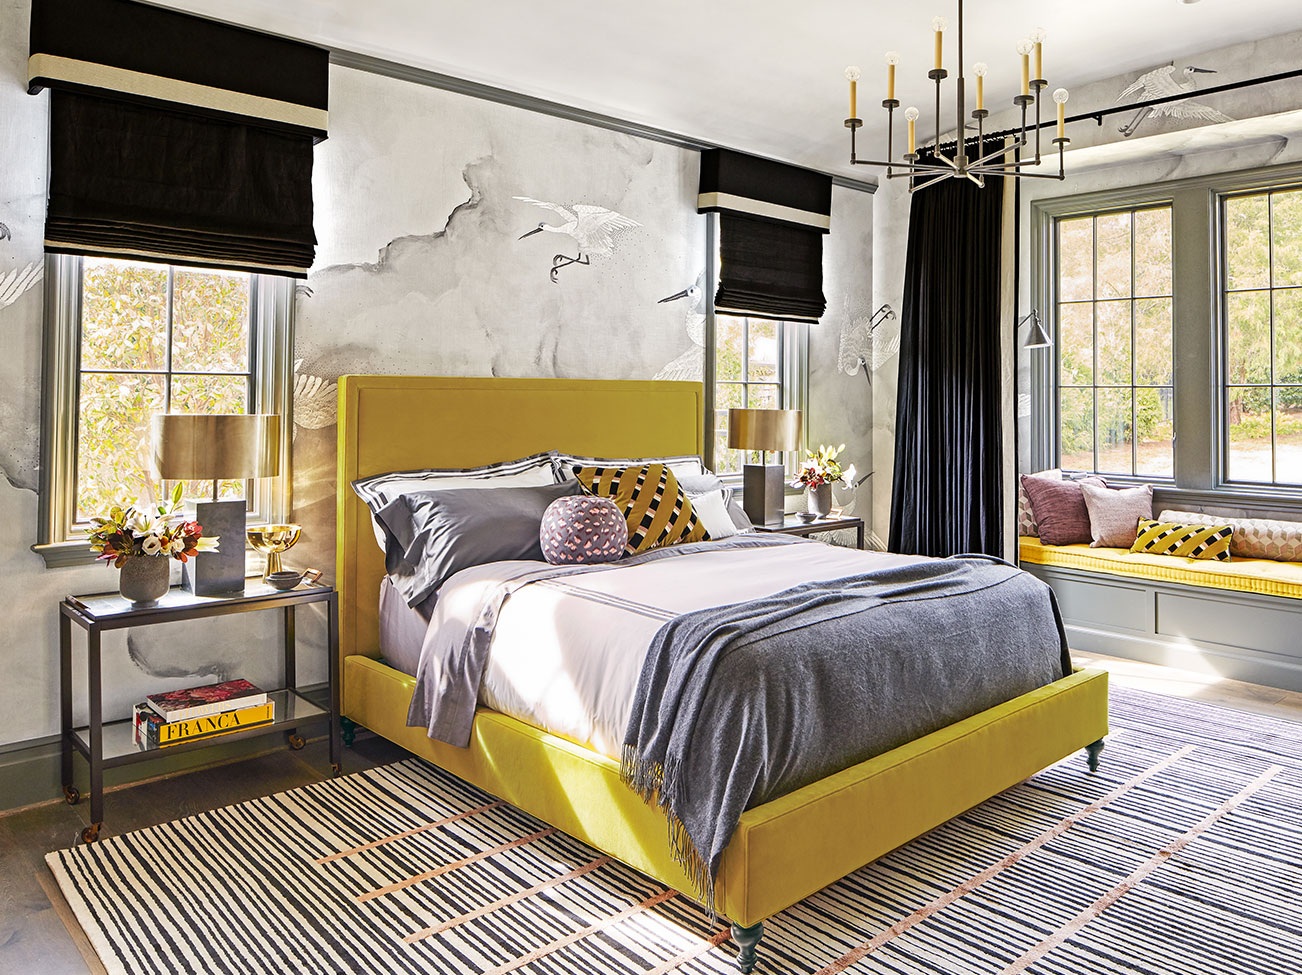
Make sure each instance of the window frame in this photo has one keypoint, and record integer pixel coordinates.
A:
(1198, 381)
(271, 302)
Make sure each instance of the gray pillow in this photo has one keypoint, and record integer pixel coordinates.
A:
(434, 534)
(1115, 513)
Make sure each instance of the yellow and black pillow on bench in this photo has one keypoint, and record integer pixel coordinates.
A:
(655, 507)
(1190, 541)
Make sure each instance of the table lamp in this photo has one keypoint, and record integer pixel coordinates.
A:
(216, 447)
(764, 484)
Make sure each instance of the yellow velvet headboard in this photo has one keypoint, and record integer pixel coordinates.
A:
(395, 423)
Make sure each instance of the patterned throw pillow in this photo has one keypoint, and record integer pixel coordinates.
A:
(1190, 541)
(1254, 538)
(583, 530)
(654, 506)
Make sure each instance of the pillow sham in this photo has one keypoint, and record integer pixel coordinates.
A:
(1114, 513)
(654, 506)
(583, 530)
(1026, 524)
(1254, 538)
(380, 489)
(711, 500)
(684, 465)
(1188, 541)
(1059, 507)
(440, 532)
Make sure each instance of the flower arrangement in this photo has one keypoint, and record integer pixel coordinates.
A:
(821, 467)
(133, 531)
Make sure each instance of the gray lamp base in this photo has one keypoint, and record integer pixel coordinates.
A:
(763, 497)
(221, 572)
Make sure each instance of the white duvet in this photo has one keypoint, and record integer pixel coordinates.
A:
(567, 652)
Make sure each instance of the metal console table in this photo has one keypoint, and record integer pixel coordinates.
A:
(110, 744)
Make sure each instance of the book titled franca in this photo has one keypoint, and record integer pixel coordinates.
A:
(153, 731)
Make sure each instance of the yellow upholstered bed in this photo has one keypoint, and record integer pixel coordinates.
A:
(782, 851)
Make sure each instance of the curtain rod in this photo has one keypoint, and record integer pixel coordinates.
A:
(1102, 113)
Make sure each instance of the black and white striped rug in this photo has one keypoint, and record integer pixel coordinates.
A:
(1182, 855)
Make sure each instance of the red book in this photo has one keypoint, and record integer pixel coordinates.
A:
(199, 702)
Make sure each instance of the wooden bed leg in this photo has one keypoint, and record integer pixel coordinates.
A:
(1092, 753)
(747, 940)
(348, 730)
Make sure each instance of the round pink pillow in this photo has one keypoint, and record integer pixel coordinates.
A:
(583, 529)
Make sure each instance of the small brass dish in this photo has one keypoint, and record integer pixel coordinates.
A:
(272, 541)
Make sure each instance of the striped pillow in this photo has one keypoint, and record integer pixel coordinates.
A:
(1190, 541)
(655, 507)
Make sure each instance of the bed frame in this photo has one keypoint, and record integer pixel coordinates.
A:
(782, 851)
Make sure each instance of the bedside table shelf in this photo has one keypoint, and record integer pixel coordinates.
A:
(794, 525)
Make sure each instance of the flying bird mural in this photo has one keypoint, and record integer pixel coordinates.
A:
(18, 281)
(593, 229)
(864, 347)
(316, 400)
(1162, 83)
(688, 366)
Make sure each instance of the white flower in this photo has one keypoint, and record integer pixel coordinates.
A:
(139, 523)
(151, 545)
(178, 545)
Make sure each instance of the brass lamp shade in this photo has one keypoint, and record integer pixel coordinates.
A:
(764, 429)
(214, 447)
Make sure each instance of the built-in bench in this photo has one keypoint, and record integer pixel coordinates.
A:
(1242, 619)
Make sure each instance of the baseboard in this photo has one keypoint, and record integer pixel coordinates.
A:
(29, 770)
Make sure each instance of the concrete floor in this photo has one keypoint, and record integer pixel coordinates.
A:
(35, 941)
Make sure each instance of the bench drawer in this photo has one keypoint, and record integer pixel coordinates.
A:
(1103, 604)
(1219, 619)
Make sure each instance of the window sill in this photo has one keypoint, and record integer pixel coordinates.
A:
(1269, 501)
(59, 555)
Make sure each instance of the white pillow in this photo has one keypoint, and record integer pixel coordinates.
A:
(684, 465)
(711, 509)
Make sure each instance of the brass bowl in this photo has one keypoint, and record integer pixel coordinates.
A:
(271, 541)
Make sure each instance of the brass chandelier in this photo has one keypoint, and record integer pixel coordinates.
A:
(959, 165)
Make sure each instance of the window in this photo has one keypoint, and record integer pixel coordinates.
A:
(757, 364)
(128, 339)
(1115, 362)
(1261, 314)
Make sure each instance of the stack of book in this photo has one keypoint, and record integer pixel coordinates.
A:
(200, 712)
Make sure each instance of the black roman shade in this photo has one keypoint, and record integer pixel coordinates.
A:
(771, 221)
(178, 139)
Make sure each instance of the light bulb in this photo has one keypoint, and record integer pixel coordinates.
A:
(1038, 35)
(892, 57)
(1025, 46)
(1061, 95)
(911, 114)
(852, 73)
(980, 69)
(939, 23)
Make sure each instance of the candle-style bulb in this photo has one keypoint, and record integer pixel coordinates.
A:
(938, 24)
(980, 69)
(1061, 95)
(1037, 38)
(911, 114)
(1025, 46)
(852, 73)
(892, 59)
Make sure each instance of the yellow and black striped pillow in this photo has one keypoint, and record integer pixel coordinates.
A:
(1191, 541)
(655, 507)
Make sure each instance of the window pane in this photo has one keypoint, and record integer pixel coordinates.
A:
(762, 358)
(1248, 416)
(1076, 343)
(1076, 259)
(729, 352)
(210, 321)
(1247, 337)
(1114, 431)
(1247, 242)
(1113, 259)
(726, 396)
(1154, 417)
(1288, 434)
(113, 448)
(763, 396)
(210, 394)
(1286, 231)
(1076, 416)
(123, 315)
(1153, 252)
(1153, 341)
(1288, 336)
(1113, 344)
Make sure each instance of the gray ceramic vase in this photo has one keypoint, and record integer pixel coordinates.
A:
(143, 579)
(820, 500)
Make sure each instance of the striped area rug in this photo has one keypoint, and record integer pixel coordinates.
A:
(1182, 855)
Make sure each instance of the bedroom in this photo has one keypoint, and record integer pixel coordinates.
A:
(438, 246)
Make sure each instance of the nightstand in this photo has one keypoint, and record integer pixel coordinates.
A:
(793, 525)
(110, 744)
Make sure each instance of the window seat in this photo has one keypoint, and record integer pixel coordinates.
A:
(1263, 576)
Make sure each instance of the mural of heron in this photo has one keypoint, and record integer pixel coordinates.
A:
(593, 229)
(863, 347)
(688, 366)
(1162, 83)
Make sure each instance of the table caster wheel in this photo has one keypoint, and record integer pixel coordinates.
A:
(296, 742)
(90, 834)
(334, 768)
(71, 795)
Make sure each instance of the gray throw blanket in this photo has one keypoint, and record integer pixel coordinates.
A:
(741, 704)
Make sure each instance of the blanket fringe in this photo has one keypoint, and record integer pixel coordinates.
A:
(658, 784)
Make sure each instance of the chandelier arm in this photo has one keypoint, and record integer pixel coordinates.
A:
(1020, 173)
(902, 166)
(931, 182)
(1002, 151)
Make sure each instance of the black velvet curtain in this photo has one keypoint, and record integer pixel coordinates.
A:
(947, 493)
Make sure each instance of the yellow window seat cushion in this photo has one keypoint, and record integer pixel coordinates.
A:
(1264, 576)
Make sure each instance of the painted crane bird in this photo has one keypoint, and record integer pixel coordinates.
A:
(1161, 83)
(689, 364)
(593, 229)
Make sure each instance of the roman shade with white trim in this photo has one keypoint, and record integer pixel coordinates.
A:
(771, 221)
(177, 139)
